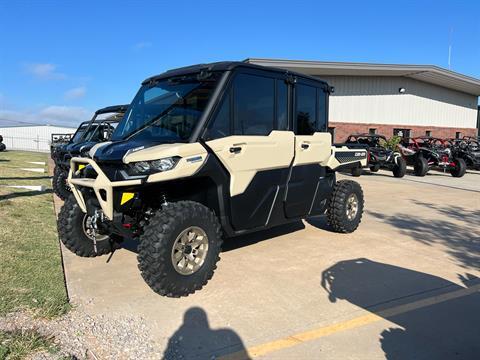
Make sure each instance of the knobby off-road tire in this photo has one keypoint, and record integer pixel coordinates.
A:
(156, 248)
(60, 185)
(400, 168)
(374, 168)
(71, 232)
(421, 166)
(356, 171)
(339, 212)
(460, 168)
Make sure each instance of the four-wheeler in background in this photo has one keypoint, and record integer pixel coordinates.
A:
(88, 134)
(58, 140)
(468, 149)
(2, 145)
(379, 156)
(203, 153)
(424, 153)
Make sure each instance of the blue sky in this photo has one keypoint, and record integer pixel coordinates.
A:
(60, 60)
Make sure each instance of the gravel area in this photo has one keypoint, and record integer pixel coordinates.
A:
(79, 335)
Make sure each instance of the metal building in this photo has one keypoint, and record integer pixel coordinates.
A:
(31, 138)
(410, 100)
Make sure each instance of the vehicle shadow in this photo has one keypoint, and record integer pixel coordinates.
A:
(194, 339)
(240, 241)
(434, 318)
(24, 194)
(461, 238)
(237, 242)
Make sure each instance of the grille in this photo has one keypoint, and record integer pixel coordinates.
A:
(350, 156)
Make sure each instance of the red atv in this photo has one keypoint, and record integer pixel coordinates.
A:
(424, 153)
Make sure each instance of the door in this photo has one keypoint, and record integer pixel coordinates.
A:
(312, 146)
(244, 137)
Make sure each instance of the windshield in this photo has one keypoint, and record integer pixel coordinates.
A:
(79, 133)
(167, 110)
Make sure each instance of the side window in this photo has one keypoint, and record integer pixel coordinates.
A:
(220, 126)
(282, 105)
(253, 105)
(306, 109)
(322, 110)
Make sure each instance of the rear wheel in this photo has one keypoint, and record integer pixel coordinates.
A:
(356, 171)
(345, 208)
(459, 169)
(60, 183)
(400, 168)
(179, 248)
(421, 166)
(76, 231)
(374, 168)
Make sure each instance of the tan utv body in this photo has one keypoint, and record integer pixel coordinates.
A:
(205, 153)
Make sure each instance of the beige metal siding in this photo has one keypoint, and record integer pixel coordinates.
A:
(365, 99)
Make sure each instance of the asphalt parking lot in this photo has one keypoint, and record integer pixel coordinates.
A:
(404, 285)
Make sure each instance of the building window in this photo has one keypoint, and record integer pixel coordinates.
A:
(402, 132)
(331, 130)
(458, 135)
(372, 131)
(428, 133)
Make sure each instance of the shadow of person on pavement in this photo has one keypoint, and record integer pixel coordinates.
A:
(434, 318)
(194, 339)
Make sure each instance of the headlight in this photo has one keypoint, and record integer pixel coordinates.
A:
(153, 166)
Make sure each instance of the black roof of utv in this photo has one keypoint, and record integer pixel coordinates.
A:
(113, 108)
(222, 66)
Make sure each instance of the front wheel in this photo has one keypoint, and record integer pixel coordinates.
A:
(345, 208)
(75, 230)
(60, 184)
(459, 169)
(400, 168)
(421, 166)
(179, 249)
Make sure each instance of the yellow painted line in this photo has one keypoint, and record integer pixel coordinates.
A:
(370, 318)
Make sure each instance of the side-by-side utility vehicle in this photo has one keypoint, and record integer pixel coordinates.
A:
(379, 156)
(204, 153)
(87, 135)
(425, 152)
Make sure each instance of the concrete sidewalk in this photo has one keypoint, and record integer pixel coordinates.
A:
(419, 239)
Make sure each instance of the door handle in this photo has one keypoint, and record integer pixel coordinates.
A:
(235, 149)
(305, 146)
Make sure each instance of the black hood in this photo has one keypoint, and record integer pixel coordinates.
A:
(115, 151)
(75, 149)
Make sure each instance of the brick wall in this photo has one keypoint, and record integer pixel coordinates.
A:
(342, 130)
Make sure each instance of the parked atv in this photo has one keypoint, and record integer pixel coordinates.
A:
(424, 153)
(379, 156)
(203, 153)
(468, 149)
(2, 145)
(88, 134)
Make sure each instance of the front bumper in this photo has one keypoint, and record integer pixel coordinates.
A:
(101, 185)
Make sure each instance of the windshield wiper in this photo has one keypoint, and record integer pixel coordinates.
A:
(159, 116)
(151, 121)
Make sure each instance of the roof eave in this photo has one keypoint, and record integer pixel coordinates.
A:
(426, 73)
